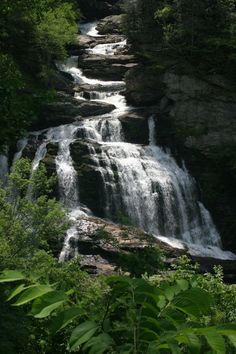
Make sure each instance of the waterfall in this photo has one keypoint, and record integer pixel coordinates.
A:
(144, 183)
(21, 144)
(67, 176)
(152, 131)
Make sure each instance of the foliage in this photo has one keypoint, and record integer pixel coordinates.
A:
(201, 33)
(139, 318)
(224, 308)
(32, 35)
(146, 260)
(29, 219)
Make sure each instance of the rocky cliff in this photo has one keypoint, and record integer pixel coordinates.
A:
(196, 118)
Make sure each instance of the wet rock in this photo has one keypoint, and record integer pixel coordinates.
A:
(100, 88)
(135, 127)
(103, 67)
(68, 110)
(110, 24)
(84, 42)
(91, 185)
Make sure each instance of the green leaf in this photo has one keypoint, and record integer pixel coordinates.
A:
(161, 303)
(183, 284)
(64, 318)
(82, 334)
(174, 347)
(194, 343)
(215, 341)
(18, 290)
(232, 338)
(43, 306)
(194, 302)
(10, 276)
(32, 293)
(99, 344)
(170, 292)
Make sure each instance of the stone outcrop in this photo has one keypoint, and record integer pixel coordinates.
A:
(135, 127)
(94, 9)
(91, 184)
(143, 86)
(68, 110)
(84, 42)
(100, 244)
(110, 24)
(106, 67)
(60, 81)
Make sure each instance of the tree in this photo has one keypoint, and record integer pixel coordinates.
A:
(29, 220)
(32, 35)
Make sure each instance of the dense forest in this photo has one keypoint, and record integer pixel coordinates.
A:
(91, 162)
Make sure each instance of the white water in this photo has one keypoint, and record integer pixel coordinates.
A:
(89, 29)
(143, 182)
(70, 66)
(107, 49)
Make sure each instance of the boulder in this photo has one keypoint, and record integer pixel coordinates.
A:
(110, 24)
(143, 86)
(135, 127)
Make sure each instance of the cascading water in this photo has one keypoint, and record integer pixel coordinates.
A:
(67, 176)
(143, 182)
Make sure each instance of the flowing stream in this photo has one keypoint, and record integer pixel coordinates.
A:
(143, 182)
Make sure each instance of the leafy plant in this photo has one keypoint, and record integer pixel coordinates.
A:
(139, 318)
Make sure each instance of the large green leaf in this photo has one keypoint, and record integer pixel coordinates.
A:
(99, 344)
(174, 347)
(42, 307)
(194, 343)
(32, 293)
(82, 334)
(19, 289)
(215, 341)
(10, 276)
(194, 302)
(232, 338)
(64, 318)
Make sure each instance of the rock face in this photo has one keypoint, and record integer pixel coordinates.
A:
(197, 120)
(110, 24)
(60, 81)
(206, 111)
(91, 184)
(68, 110)
(135, 127)
(94, 9)
(107, 67)
(101, 243)
(143, 86)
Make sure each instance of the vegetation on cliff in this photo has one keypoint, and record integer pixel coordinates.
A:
(33, 34)
(200, 33)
